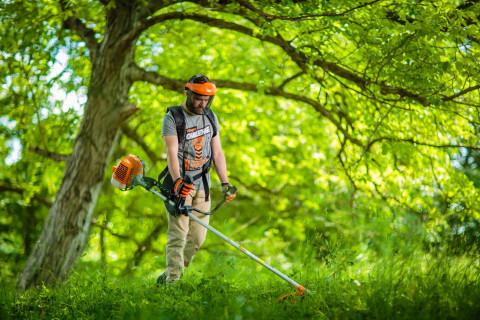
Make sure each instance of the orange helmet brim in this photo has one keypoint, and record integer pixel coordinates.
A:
(205, 89)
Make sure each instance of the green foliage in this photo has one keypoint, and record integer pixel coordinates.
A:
(363, 164)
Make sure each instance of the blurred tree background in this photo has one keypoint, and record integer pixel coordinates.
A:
(345, 124)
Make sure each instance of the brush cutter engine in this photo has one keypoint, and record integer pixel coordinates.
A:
(123, 173)
(130, 172)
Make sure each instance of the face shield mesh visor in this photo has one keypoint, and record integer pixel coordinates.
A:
(192, 95)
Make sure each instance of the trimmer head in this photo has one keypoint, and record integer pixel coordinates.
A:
(291, 296)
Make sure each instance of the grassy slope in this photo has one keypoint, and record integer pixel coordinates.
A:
(398, 287)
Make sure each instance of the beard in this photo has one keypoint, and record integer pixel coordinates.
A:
(191, 106)
(192, 109)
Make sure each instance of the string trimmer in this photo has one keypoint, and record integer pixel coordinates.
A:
(130, 173)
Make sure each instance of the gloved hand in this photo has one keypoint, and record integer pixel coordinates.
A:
(182, 188)
(229, 191)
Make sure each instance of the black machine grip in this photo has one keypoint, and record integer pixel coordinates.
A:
(180, 201)
(188, 179)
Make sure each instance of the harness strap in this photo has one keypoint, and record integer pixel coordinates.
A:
(202, 174)
(163, 174)
(179, 118)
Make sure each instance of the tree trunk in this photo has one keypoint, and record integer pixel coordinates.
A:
(66, 230)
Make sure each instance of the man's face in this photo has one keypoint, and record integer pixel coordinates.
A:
(199, 103)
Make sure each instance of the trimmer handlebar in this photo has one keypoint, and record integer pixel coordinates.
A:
(130, 172)
(190, 208)
(188, 179)
(149, 183)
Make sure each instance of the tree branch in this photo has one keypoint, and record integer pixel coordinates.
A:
(138, 74)
(132, 134)
(393, 16)
(142, 247)
(298, 57)
(246, 225)
(420, 143)
(274, 91)
(21, 191)
(399, 203)
(155, 5)
(344, 167)
(468, 4)
(461, 93)
(144, 24)
(290, 79)
(301, 18)
(87, 34)
(382, 118)
(301, 59)
(113, 233)
(54, 156)
(135, 73)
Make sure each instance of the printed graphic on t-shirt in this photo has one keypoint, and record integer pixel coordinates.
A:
(198, 137)
(197, 133)
(198, 145)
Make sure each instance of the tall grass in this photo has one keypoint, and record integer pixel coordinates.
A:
(411, 285)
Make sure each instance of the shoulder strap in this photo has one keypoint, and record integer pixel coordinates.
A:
(179, 121)
(180, 126)
(179, 118)
(211, 117)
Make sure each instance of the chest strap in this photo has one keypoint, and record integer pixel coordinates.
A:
(202, 174)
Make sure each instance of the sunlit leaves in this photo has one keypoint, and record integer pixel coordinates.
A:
(296, 168)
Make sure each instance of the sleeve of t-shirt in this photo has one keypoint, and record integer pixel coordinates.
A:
(168, 125)
(217, 125)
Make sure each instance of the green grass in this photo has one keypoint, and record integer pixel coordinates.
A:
(413, 286)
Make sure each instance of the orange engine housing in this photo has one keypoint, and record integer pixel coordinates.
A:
(127, 168)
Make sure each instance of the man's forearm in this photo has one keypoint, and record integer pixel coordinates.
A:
(171, 146)
(173, 166)
(221, 167)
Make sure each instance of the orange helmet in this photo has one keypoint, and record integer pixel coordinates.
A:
(205, 89)
(199, 85)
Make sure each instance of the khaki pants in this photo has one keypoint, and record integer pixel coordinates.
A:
(185, 236)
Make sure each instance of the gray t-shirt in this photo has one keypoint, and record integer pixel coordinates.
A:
(196, 146)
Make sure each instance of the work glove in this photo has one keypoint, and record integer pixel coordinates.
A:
(182, 188)
(229, 191)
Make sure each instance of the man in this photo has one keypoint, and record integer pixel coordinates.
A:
(191, 136)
